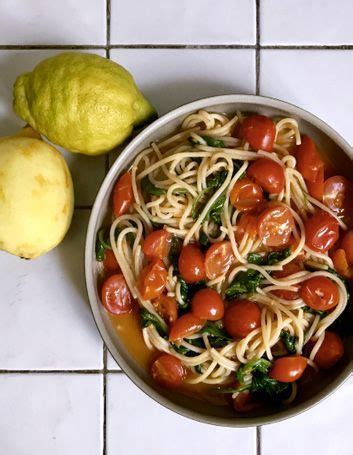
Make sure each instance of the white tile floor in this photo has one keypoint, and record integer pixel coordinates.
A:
(177, 51)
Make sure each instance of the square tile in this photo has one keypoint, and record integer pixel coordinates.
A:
(317, 80)
(163, 431)
(306, 22)
(326, 429)
(111, 363)
(87, 172)
(46, 322)
(64, 22)
(172, 77)
(183, 22)
(50, 414)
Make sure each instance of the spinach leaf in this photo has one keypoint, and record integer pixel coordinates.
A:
(276, 256)
(216, 209)
(307, 309)
(148, 318)
(102, 244)
(256, 364)
(149, 188)
(290, 341)
(184, 350)
(213, 142)
(199, 369)
(255, 258)
(216, 180)
(267, 388)
(216, 336)
(187, 292)
(244, 283)
(203, 240)
(199, 203)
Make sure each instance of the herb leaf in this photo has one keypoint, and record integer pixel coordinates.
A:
(268, 388)
(216, 336)
(290, 341)
(244, 283)
(256, 364)
(216, 180)
(271, 258)
(212, 142)
(255, 258)
(102, 244)
(184, 350)
(216, 209)
(148, 318)
(203, 240)
(148, 187)
(307, 309)
(187, 292)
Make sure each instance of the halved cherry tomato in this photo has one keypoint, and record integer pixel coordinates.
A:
(123, 196)
(268, 174)
(186, 325)
(288, 269)
(152, 280)
(309, 162)
(168, 371)
(157, 244)
(330, 351)
(167, 308)
(208, 305)
(246, 195)
(191, 264)
(242, 317)
(110, 264)
(247, 224)
(338, 194)
(116, 297)
(219, 257)
(288, 369)
(245, 402)
(347, 245)
(320, 293)
(275, 225)
(316, 189)
(321, 231)
(260, 132)
(339, 259)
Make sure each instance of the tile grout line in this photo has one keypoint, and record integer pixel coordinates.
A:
(258, 48)
(258, 440)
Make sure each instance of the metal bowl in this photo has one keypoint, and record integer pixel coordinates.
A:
(338, 151)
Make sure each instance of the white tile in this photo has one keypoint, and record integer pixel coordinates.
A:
(111, 363)
(326, 429)
(163, 432)
(172, 77)
(183, 22)
(306, 22)
(317, 80)
(87, 172)
(46, 322)
(50, 414)
(57, 22)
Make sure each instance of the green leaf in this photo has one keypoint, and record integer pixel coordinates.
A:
(179, 191)
(290, 341)
(174, 253)
(244, 283)
(148, 318)
(184, 293)
(216, 209)
(102, 244)
(268, 388)
(199, 203)
(130, 237)
(276, 256)
(256, 364)
(148, 187)
(198, 368)
(307, 309)
(204, 240)
(212, 142)
(255, 258)
(216, 336)
(216, 180)
(184, 350)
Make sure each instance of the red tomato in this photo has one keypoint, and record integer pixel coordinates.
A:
(207, 305)
(268, 174)
(116, 297)
(347, 245)
(123, 196)
(242, 317)
(340, 263)
(245, 402)
(152, 280)
(110, 264)
(186, 325)
(316, 189)
(167, 308)
(246, 195)
(157, 244)
(168, 371)
(288, 369)
(191, 264)
(275, 225)
(330, 352)
(260, 132)
(219, 257)
(309, 163)
(320, 293)
(321, 231)
(288, 269)
(246, 224)
(338, 194)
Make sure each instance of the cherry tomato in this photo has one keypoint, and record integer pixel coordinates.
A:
(110, 264)
(242, 317)
(167, 308)
(123, 196)
(246, 195)
(309, 162)
(207, 305)
(245, 402)
(168, 371)
(288, 369)
(347, 245)
(152, 280)
(320, 293)
(321, 231)
(339, 259)
(275, 225)
(247, 224)
(191, 264)
(268, 174)
(157, 244)
(330, 352)
(186, 325)
(338, 194)
(219, 257)
(116, 297)
(260, 132)
(316, 189)
(288, 269)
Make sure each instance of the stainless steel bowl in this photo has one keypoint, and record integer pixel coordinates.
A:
(340, 153)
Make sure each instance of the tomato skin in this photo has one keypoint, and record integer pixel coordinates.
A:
(268, 174)
(219, 257)
(116, 297)
(275, 225)
(246, 195)
(338, 194)
(309, 162)
(110, 264)
(340, 263)
(288, 369)
(320, 293)
(288, 269)
(152, 280)
(316, 189)
(260, 132)
(242, 317)
(186, 325)
(207, 305)
(245, 402)
(347, 245)
(168, 371)
(167, 308)
(191, 264)
(321, 231)
(246, 224)
(157, 244)
(123, 196)
(330, 352)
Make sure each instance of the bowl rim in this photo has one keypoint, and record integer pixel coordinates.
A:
(204, 103)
